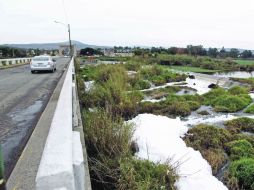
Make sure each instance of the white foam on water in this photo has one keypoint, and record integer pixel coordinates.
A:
(159, 138)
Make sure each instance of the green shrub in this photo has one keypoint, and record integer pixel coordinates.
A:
(240, 149)
(111, 72)
(106, 135)
(241, 136)
(213, 94)
(164, 108)
(141, 84)
(235, 99)
(240, 124)
(132, 66)
(243, 171)
(250, 109)
(224, 101)
(143, 174)
(209, 140)
(162, 92)
(160, 76)
(89, 72)
(158, 80)
(206, 136)
(215, 157)
(193, 105)
(110, 92)
(229, 103)
(173, 105)
(178, 109)
(237, 90)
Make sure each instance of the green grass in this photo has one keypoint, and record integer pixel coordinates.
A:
(192, 69)
(244, 62)
(250, 109)
(243, 171)
(1, 164)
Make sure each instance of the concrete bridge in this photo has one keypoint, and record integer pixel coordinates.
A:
(54, 156)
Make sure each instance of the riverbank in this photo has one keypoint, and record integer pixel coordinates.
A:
(146, 88)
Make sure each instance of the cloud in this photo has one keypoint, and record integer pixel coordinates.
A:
(118, 22)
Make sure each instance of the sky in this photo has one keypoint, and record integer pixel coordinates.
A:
(211, 23)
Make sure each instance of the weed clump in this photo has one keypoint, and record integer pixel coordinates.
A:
(235, 99)
(143, 174)
(240, 149)
(209, 140)
(240, 124)
(243, 171)
(160, 76)
(174, 105)
(250, 109)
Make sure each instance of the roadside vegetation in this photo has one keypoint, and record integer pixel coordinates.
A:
(105, 107)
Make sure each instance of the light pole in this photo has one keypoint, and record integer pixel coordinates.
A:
(69, 31)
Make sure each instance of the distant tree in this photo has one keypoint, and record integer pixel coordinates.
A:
(196, 50)
(233, 53)
(223, 53)
(138, 52)
(90, 51)
(246, 54)
(155, 50)
(212, 52)
(173, 50)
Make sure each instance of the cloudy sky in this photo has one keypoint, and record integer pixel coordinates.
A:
(212, 23)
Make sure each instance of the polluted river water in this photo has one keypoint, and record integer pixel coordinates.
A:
(159, 138)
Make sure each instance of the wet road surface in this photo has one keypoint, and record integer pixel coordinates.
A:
(23, 97)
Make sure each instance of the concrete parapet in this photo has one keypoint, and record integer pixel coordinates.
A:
(78, 162)
(14, 61)
(62, 163)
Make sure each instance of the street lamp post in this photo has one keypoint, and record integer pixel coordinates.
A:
(69, 31)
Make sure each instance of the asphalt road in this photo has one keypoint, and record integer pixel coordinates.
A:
(23, 97)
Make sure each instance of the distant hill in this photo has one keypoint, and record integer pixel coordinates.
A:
(49, 46)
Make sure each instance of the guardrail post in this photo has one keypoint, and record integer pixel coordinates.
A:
(2, 181)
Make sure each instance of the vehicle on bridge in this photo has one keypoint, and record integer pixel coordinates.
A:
(43, 63)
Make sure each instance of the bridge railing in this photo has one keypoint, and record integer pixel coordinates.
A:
(14, 61)
(62, 162)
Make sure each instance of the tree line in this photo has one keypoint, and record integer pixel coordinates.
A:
(197, 51)
(190, 50)
(10, 52)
